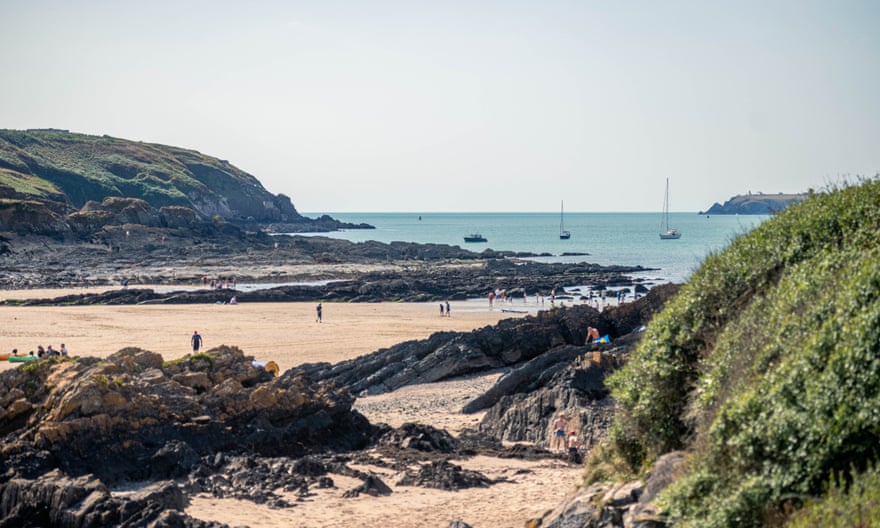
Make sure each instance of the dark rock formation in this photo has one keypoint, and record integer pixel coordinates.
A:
(372, 485)
(57, 500)
(455, 274)
(511, 342)
(621, 505)
(73, 428)
(548, 368)
(442, 474)
(31, 217)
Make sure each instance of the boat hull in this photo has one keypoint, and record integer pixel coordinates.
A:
(21, 359)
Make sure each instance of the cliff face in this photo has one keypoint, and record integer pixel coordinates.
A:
(755, 204)
(59, 173)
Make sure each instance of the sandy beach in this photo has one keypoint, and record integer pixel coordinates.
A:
(288, 334)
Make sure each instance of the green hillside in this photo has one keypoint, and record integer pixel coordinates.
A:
(766, 370)
(73, 169)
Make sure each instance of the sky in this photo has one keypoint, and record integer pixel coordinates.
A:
(496, 106)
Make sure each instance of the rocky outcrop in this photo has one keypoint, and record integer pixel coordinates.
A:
(458, 275)
(573, 387)
(755, 204)
(511, 342)
(548, 368)
(57, 500)
(115, 417)
(88, 424)
(616, 505)
(31, 217)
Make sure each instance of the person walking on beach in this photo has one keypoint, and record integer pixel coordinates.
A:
(318, 310)
(441, 310)
(448, 313)
(196, 341)
(558, 442)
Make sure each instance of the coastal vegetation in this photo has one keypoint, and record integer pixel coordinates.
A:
(765, 371)
(39, 163)
(54, 182)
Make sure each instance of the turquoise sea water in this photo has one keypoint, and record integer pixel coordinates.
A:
(608, 238)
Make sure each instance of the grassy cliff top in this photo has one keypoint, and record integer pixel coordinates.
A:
(70, 168)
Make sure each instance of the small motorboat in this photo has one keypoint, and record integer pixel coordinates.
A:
(475, 237)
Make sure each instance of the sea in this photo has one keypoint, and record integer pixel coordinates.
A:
(630, 239)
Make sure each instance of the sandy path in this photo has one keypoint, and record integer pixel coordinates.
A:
(525, 489)
(529, 490)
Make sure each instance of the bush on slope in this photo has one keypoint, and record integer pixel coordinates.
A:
(766, 366)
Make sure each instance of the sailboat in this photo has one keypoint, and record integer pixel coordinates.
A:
(563, 234)
(667, 233)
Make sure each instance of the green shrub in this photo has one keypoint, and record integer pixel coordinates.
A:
(852, 501)
(766, 366)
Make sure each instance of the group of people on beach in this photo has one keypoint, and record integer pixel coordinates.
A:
(501, 296)
(596, 299)
(448, 312)
(45, 352)
(219, 283)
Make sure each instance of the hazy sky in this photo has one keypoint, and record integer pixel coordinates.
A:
(467, 105)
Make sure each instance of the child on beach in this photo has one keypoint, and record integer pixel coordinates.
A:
(573, 455)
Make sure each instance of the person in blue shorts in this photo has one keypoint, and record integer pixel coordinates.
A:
(559, 433)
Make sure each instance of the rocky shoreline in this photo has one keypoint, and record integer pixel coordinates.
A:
(75, 430)
(320, 268)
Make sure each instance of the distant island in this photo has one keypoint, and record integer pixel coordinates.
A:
(755, 204)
